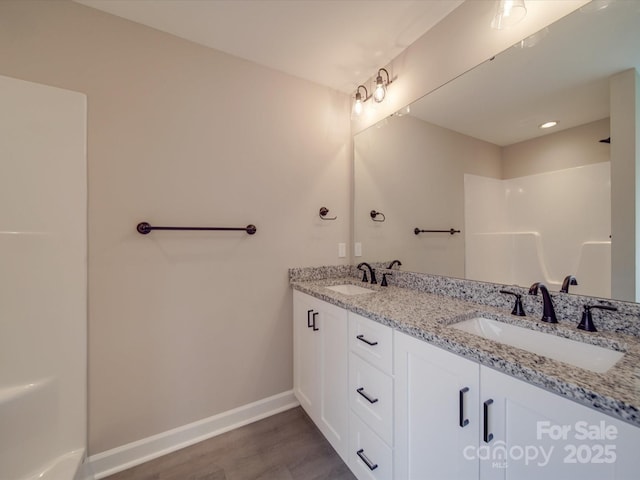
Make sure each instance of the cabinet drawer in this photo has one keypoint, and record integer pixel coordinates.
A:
(369, 457)
(372, 341)
(371, 396)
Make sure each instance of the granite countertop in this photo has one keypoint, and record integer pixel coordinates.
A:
(428, 317)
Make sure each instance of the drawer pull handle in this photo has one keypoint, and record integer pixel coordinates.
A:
(372, 466)
(367, 397)
(463, 421)
(362, 339)
(313, 322)
(309, 318)
(487, 436)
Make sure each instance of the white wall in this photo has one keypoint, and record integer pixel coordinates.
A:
(186, 325)
(43, 275)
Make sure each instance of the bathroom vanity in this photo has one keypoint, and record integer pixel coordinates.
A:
(401, 392)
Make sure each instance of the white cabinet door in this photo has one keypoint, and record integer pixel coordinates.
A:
(333, 374)
(320, 366)
(436, 412)
(305, 353)
(533, 434)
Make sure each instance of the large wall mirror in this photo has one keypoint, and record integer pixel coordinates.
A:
(530, 204)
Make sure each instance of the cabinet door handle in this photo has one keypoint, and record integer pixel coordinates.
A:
(367, 462)
(368, 342)
(463, 421)
(367, 397)
(309, 318)
(313, 322)
(487, 436)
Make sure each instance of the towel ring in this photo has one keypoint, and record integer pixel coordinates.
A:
(323, 214)
(375, 214)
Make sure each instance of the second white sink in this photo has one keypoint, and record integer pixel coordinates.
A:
(349, 289)
(583, 355)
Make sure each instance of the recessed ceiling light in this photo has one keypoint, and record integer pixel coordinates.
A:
(549, 124)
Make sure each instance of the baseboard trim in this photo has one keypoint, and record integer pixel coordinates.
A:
(126, 456)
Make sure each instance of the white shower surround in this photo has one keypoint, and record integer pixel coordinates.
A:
(43, 280)
(541, 228)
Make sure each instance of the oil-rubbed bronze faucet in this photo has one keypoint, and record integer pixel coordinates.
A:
(548, 312)
(395, 262)
(518, 309)
(586, 323)
(371, 271)
(568, 280)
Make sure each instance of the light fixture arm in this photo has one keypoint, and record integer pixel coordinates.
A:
(358, 104)
(366, 93)
(381, 86)
(387, 73)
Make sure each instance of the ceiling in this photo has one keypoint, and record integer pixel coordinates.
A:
(336, 43)
(564, 77)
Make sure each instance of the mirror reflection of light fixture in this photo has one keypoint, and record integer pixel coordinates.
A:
(381, 86)
(403, 111)
(549, 124)
(358, 105)
(508, 13)
(533, 40)
(596, 6)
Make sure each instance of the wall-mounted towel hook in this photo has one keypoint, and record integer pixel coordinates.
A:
(375, 214)
(323, 214)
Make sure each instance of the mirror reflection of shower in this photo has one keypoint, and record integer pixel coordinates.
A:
(534, 227)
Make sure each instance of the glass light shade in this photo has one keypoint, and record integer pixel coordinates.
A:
(509, 13)
(380, 91)
(357, 106)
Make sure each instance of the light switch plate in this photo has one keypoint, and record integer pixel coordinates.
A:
(357, 250)
(342, 250)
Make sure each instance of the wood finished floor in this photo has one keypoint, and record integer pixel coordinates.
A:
(286, 446)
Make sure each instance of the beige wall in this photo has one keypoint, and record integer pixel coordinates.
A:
(413, 172)
(624, 93)
(568, 148)
(186, 325)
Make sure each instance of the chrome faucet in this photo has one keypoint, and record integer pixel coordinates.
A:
(371, 271)
(568, 280)
(548, 312)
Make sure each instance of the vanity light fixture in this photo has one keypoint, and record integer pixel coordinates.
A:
(378, 95)
(550, 124)
(358, 106)
(508, 13)
(381, 86)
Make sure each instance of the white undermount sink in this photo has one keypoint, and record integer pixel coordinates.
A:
(349, 289)
(583, 355)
